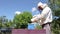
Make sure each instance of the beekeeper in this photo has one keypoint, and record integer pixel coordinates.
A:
(45, 17)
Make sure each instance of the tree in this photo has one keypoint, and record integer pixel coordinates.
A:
(5, 23)
(3, 20)
(8, 24)
(55, 5)
(22, 20)
(56, 23)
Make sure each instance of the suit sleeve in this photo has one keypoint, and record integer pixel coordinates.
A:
(43, 14)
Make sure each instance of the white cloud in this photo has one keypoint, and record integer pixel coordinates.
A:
(34, 9)
(17, 12)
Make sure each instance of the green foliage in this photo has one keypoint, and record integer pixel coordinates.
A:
(58, 3)
(19, 21)
(5, 23)
(22, 20)
(57, 12)
(38, 27)
(8, 24)
(56, 26)
(56, 23)
(2, 21)
(55, 5)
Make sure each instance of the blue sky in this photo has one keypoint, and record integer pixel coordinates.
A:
(9, 7)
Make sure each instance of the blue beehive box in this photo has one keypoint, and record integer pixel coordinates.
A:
(31, 27)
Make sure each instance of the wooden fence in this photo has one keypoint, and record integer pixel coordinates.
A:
(25, 31)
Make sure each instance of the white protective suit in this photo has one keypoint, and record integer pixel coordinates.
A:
(45, 16)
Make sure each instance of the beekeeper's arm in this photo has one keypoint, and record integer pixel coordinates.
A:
(34, 19)
(41, 16)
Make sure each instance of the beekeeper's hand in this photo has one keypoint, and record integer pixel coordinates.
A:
(34, 19)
